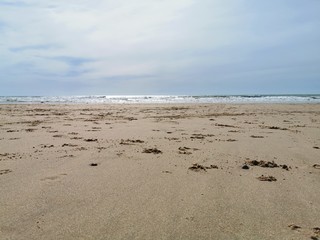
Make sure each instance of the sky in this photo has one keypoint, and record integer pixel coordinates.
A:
(138, 47)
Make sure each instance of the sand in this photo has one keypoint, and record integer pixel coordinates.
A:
(218, 171)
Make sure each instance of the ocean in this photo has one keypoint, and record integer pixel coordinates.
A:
(154, 99)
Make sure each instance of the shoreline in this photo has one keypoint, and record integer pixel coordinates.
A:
(158, 99)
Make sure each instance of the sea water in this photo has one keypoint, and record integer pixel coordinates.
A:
(153, 99)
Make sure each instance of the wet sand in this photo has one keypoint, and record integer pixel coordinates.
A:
(210, 171)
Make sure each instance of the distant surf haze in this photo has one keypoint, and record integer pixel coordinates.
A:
(145, 99)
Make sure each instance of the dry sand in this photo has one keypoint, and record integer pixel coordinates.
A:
(160, 171)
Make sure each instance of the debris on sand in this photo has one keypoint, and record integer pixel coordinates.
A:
(254, 136)
(245, 166)
(93, 164)
(262, 163)
(212, 167)
(130, 141)
(316, 230)
(46, 146)
(285, 167)
(198, 167)
(267, 178)
(58, 135)
(197, 136)
(131, 118)
(184, 150)
(91, 140)
(69, 145)
(273, 127)
(225, 125)
(152, 150)
(187, 148)
(200, 136)
(316, 166)
(294, 227)
(231, 140)
(266, 164)
(5, 171)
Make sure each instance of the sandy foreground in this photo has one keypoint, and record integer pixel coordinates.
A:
(216, 171)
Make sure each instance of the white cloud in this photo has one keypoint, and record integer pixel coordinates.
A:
(90, 29)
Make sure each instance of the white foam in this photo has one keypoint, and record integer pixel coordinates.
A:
(145, 99)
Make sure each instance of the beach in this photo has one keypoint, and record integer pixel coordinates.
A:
(160, 171)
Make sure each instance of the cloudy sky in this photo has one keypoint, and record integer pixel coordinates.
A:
(159, 47)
